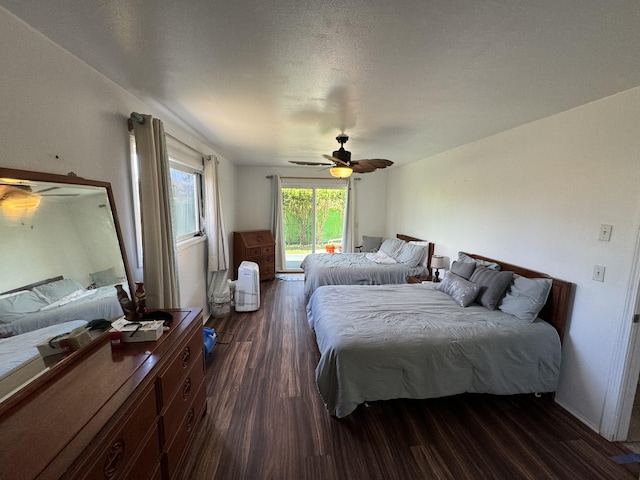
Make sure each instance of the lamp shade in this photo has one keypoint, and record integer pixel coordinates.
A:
(438, 261)
(341, 172)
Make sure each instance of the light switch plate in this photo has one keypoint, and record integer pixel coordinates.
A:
(605, 232)
(598, 273)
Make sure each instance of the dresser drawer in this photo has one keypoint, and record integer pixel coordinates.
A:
(267, 269)
(149, 456)
(188, 423)
(254, 252)
(115, 455)
(268, 250)
(172, 378)
(174, 413)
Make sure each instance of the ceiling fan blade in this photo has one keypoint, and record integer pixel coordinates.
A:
(336, 160)
(376, 162)
(312, 164)
(362, 168)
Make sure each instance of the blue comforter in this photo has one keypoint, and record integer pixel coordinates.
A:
(382, 342)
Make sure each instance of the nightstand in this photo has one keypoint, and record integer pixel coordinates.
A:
(419, 278)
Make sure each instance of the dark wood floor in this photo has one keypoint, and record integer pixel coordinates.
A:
(266, 420)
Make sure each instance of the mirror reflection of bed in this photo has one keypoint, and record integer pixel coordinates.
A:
(61, 258)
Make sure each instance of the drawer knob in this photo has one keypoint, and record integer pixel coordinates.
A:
(186, 355)
(113, 459)
(186, 388)
(190, 416)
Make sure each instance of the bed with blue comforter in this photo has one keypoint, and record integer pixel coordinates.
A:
(381, 342)
(406, 256)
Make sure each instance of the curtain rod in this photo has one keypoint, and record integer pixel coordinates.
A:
(312, 178)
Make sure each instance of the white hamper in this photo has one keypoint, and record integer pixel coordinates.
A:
(247, 287)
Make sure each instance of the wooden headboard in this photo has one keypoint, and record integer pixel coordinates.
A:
(556, 309)
(34, 285)
(408, 238)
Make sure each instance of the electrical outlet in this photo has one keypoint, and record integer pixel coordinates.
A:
(605, 232)
(598, 273)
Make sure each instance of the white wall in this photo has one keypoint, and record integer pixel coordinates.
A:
(58, 115)
(28, 253)
(535, 196)
(254, 197)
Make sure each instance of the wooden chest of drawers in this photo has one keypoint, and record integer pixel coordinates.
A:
(256, 246)
(116, 414)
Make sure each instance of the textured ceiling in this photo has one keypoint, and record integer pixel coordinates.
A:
(266, 82)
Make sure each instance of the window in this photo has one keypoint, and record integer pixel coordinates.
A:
(187, 171)
(313, 218)
(187, 205)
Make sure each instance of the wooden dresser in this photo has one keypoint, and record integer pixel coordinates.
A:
(110, 413)
(255, 246)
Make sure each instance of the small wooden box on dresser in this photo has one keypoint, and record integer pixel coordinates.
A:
(112, 413)
(255, 246)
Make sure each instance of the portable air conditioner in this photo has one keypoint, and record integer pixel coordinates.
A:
(247, 287)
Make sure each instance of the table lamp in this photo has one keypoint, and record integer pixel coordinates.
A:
(437, 262)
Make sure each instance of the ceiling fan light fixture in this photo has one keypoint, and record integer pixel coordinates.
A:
(15, 203)
(341, 172)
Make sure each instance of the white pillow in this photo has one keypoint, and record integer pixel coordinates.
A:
(410, 255)
(13, 294)
(463, 257)
(105, 277)
(391, 246)
(54, 291)
(425, 259)
(15, 306)
(525, 297)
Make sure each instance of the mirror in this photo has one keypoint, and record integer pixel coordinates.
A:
(62, 257)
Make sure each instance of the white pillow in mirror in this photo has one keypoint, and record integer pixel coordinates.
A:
(105, 277)
(54, 291)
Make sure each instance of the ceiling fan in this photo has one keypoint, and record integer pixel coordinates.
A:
(341, 164)
(20, 196)
(17, 198)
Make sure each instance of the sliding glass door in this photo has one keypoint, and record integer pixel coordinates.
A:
(313, 219)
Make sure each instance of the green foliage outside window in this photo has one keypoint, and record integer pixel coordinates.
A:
(298, 213)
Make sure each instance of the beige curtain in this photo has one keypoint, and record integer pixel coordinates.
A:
(216, 232)
(348, 230)
(158, 236)
(218, 294)
(277, 226)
